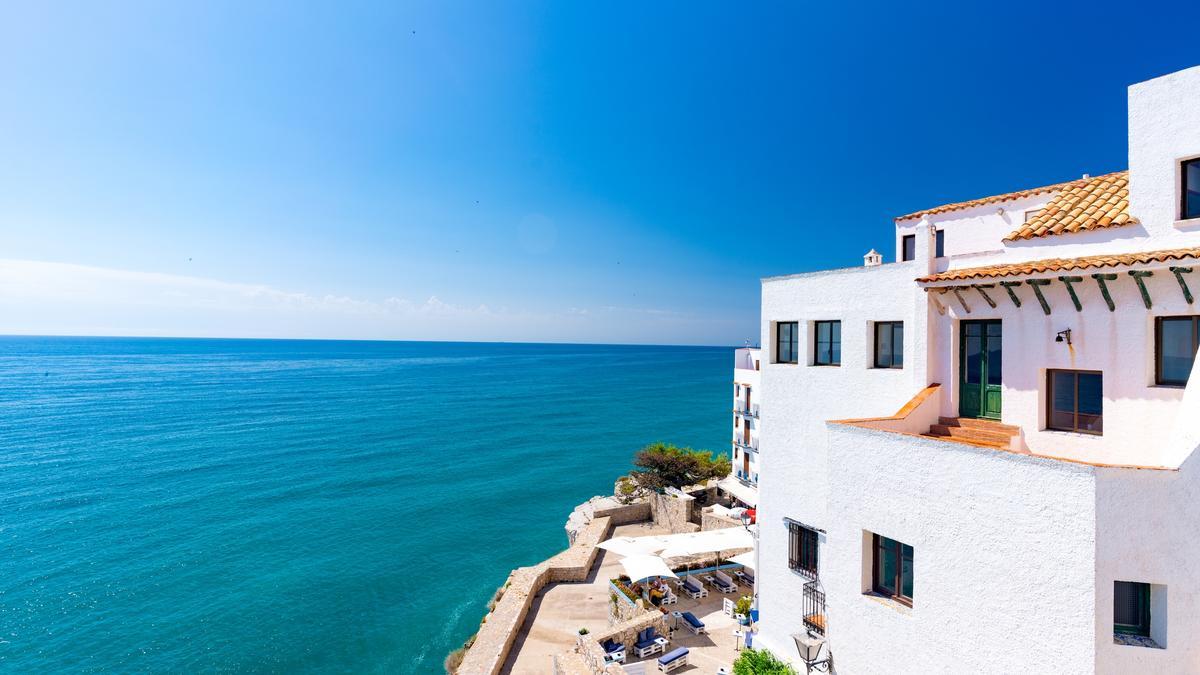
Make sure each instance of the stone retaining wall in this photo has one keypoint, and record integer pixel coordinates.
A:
(589, 649)
(499, 628)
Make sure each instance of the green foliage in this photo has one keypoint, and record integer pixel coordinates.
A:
(760, 662)
(661, 465)
(583, 631)
(743, 606)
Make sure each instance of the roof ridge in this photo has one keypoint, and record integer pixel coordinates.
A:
(1005, 196)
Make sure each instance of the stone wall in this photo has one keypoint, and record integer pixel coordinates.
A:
(499, 628)
(588, 646)
(673, 511)
(712, 521)
(611, 507)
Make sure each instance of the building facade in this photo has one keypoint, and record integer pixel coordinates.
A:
(746, 406)
(982, 457)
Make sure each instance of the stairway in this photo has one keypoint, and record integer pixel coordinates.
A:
(982, 432)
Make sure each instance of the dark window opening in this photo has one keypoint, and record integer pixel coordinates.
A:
(1075, 401)
(1131, 608)
(892, 569)
(908, 247)
(828, 343)
(1190, 190)
(787, 341)
(889, 344)
(1175, 341)
(802, 549)
(940, 244)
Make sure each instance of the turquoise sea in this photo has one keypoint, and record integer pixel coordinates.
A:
(172, 505)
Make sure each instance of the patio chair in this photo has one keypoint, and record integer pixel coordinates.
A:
(723, 582)
(676, 659)
(669, 598)
(610, 645)
(694, 589)
(694, 624)
(646, 645)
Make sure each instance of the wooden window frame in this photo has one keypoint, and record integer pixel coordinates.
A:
(904, 239)
(1158, 322)
(1183, 191)
(794, 343)
(939, 244)
(1050, 401)
(1143, 628)
(898, 596)
(803, 550)
(817, 343)
(876, 360)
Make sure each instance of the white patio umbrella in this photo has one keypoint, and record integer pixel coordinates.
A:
(641, 567)
(744, 559)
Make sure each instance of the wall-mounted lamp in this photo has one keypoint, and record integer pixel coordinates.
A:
(1063, 334)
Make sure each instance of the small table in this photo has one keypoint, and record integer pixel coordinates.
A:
(615, 657)
(709, 579)
(676, 615)
(662, 643)
(737, 639)
(723, 670)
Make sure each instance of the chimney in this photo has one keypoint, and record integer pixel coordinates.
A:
(872, 259)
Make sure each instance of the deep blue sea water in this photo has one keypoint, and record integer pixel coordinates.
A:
(172, 505)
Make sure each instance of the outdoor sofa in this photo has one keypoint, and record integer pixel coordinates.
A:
(676, 659)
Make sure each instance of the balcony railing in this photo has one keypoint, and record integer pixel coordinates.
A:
(741, 443)
(814, 606)
(751, 412)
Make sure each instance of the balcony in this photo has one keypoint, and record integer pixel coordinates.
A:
(751, 412)
(814, 607)
(751, 446)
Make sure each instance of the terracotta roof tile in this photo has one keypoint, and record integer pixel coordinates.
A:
(995, 199)
(1085, 204)
(1063, 265)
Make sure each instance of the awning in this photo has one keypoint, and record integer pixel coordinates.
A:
(708, 541)
(639, 567)
(744, 559)
(630, 546)
(735, 487)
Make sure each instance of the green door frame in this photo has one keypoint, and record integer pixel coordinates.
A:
(980, 339)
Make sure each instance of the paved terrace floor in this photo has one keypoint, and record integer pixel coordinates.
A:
(560, 610)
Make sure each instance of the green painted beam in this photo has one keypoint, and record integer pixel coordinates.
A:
(1139, 276)
(1179, 272)
(1036, 284)
(960, 300)
(1100, 279)
(1012, 295)
(1067, 281)
(979, 287)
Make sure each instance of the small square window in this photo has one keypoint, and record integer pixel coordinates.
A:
(1075, 401)
(802, 549)
(1175, 341)
(892, 569)
(1190, 189)
(787, 341)
(1131, 608)
(827, 347)
(889, 344)
(908, 247)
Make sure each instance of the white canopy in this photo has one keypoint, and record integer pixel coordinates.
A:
(639, 567)
(635, 545)
(743, 492)
(708, 541)
(744, 559)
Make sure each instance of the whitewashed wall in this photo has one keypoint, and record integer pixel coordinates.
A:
(744, 375)
(1164, 128)
(797, 399)
(1002, 557)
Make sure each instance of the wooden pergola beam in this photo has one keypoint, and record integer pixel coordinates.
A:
(1012, 295)
(1139, 276)
(1036, 284)
(961, 301)
(979, 287)
(1100, 279)
(1179, 272)
(941, 309)
(1067, 281)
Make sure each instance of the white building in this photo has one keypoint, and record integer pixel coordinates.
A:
(742, 483)
(982, 457)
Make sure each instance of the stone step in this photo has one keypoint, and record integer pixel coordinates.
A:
(973, 423)
(969, 433)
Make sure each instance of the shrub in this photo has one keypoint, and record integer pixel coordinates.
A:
(760, 662)
(583, 631)
(661, 466)
(743, 606)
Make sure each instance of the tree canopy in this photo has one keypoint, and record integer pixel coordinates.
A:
(662, 465)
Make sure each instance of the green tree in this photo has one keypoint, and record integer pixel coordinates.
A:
(661, 465)
(760, 662)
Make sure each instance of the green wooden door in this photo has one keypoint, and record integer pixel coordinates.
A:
(979, 369)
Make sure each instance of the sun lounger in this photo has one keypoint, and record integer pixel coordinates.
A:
(695, 625)
(723, 582)
(647, 643)
(694, 589)
(676, 659)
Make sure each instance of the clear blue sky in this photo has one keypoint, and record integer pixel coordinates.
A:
(610, 172)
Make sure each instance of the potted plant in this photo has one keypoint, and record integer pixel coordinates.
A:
(741, 610)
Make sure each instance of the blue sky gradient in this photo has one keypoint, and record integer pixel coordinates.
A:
(619, 172)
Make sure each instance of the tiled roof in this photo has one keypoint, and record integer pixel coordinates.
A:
(995, 199)
(1063, 265)
(1086, 204)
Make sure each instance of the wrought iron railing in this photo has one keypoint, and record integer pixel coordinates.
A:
(814, 606)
